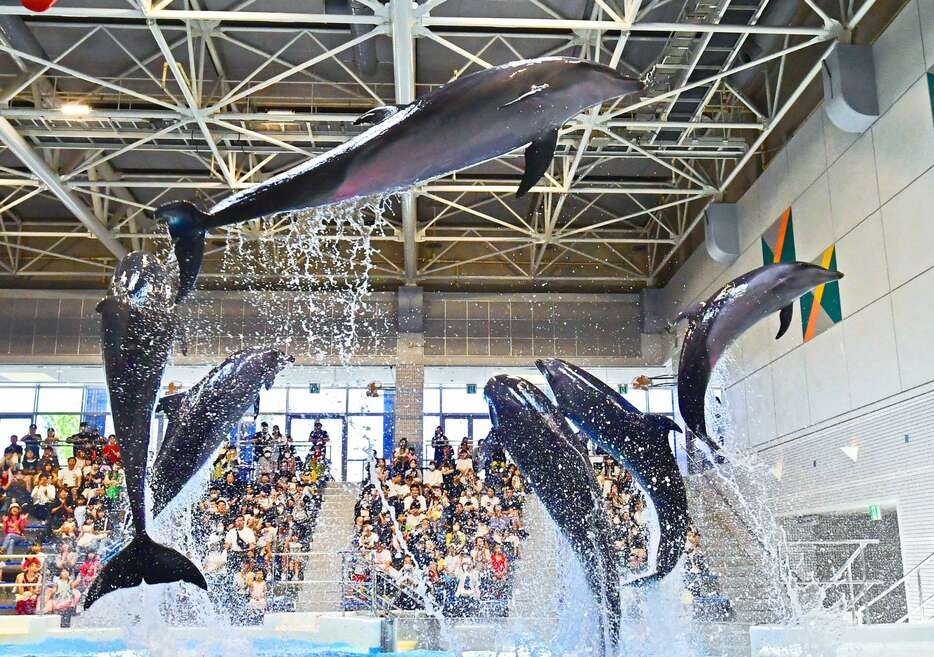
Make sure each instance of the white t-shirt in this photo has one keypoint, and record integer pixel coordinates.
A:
(489, 503)
(69, 476)
(432, 478)
(246, 535)
(43, 494)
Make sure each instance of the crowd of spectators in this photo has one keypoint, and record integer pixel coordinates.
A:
(256, 519)
(63, 504)
(451, 531)
(626, 506)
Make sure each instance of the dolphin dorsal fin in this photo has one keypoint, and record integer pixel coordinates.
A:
(784, 318)
(538, 157)
(171, 405)
(378, 114)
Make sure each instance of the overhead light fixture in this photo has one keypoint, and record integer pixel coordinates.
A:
(75, 109)
(280, 112)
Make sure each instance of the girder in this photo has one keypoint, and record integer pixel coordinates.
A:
(186, 102)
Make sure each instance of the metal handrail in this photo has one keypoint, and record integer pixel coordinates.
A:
(900, 582)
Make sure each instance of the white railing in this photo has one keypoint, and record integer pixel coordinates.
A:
(854, 589)
(915, 573)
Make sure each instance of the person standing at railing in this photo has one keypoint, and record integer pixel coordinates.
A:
(318, 437)
(32, 438)
(438, 442)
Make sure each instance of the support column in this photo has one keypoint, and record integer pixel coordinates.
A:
(410, 384)
(410, 369)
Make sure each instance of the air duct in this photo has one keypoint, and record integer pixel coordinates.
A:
(364, 53)
(779, 13)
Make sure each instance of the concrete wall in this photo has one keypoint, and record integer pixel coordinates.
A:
(61, 327)
(869, 380)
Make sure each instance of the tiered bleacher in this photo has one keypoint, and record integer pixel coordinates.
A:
(446, 535)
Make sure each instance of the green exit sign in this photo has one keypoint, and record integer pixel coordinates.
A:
(471, 388)
(623, 388)
(874, 512)
(314, 388)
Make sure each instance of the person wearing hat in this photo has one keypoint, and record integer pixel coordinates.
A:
(14, 529)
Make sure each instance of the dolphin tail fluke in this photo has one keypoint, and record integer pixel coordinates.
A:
(187, 226)
(143, 560)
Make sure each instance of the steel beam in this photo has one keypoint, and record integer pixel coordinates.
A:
(18, 146)
(403, 66)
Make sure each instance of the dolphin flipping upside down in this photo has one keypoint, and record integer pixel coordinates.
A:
(715, 323)
(638, 441)
(137, 327)
(473, 119)
(528, 426)
(200, 419)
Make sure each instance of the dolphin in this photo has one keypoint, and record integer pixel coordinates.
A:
(473, 119)
(637, 440)
(200, 419)
(715, 323)
(137, 328)
(528, 426)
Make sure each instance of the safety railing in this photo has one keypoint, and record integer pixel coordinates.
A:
(853, 589)
(915, 575)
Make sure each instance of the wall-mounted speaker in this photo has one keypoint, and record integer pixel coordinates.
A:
(721, 232)
(849, 77)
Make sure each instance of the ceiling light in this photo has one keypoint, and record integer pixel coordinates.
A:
(28, 377)
(280, 112)
(75, 109)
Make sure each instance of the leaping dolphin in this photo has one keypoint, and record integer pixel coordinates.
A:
(636, 440)
(473, 119)
(528, 426)
(200, 419)
(137, 328)
(715, 323)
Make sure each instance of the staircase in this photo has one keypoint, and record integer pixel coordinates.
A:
(748, 571)
(332, 535)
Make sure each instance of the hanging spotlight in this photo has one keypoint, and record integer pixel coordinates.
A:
(75, 109)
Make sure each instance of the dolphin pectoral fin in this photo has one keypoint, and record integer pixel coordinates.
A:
(378, 114)
(784, 318)
(538, 157)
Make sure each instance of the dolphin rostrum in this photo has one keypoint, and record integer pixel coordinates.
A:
(528, 426)
(201, 419)
(636, 440)
(715, 323)
(473, 119)
(137, 328)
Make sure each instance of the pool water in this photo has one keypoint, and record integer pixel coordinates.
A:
(253, 648)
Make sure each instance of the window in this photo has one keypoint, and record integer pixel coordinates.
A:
(457, 400)
(18, 400)
(360, 403)
(60, 400)
(329, 400)
(272, 401)
(431, 400)
(660, 401)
